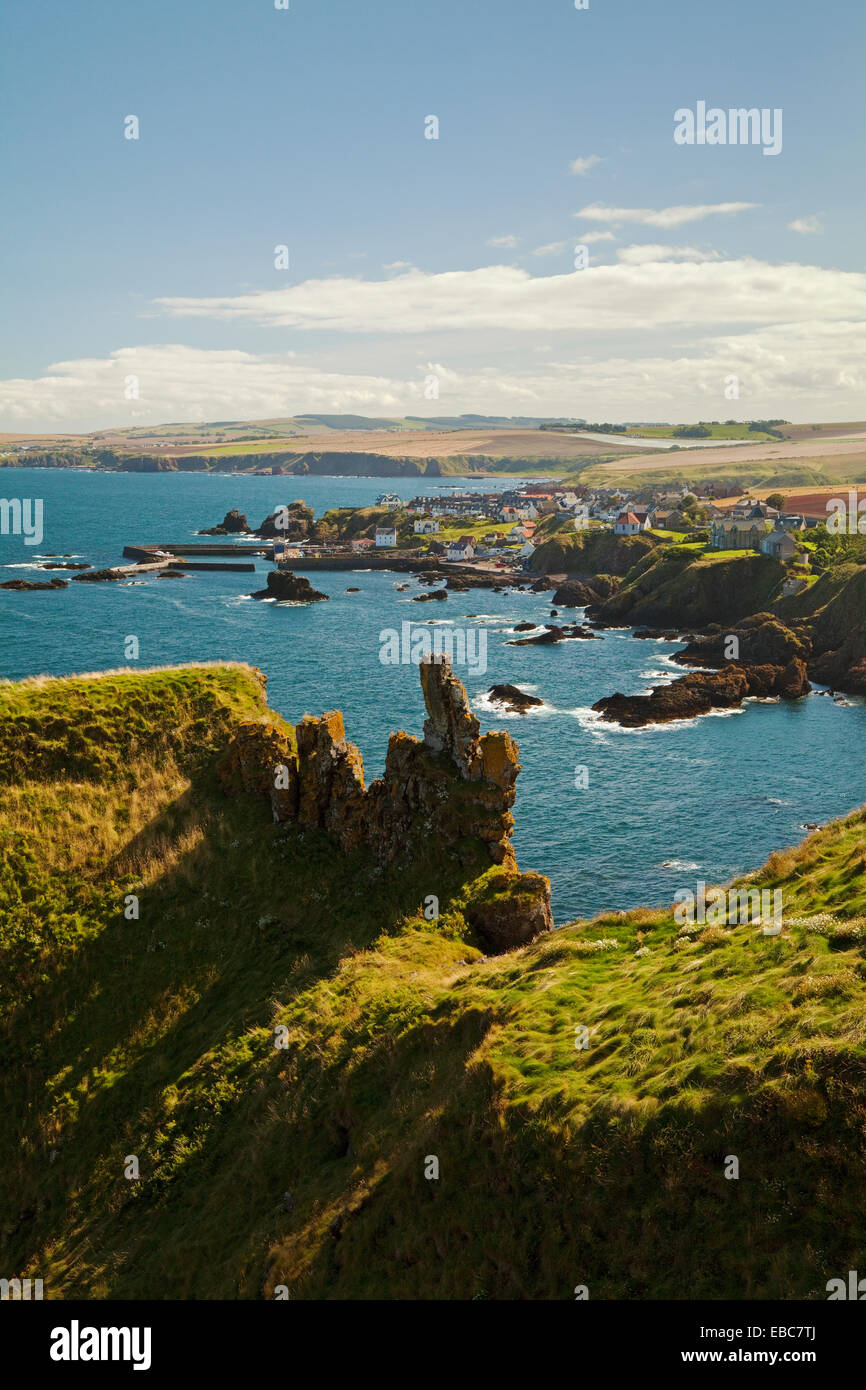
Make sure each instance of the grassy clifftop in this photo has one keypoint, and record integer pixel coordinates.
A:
(561, 549)
(675, 585)
(304, 1165)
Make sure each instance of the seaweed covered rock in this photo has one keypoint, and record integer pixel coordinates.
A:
(512, 698)
(287, 587)
(701, 691)
(234, 523)
(23, 585)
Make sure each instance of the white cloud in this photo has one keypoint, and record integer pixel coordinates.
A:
(590, 238)
(806, 225)
(185, 383)
(627, 297)
(397, 265)
(641, 254)
(553, 248)
(585, 163)
(509, 240)
(661, 217)
(804, 370)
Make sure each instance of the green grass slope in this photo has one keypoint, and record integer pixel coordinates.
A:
(562, 550)
(304, 1166)
(676, 585)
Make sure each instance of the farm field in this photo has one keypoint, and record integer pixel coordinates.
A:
(794, 463)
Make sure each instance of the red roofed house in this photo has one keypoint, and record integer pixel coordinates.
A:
(626, 524)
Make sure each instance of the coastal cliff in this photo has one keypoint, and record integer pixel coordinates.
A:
(672, 586)
(284, 1035)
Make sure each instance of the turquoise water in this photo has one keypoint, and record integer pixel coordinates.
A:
(663, 806)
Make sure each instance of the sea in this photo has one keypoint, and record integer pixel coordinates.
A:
(616, 818)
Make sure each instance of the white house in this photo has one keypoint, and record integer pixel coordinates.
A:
(425, 527)
(626, 524)
(461, 550)
(386, 535)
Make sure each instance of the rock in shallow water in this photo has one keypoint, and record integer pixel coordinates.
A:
(513, 698)
(24, 584)
(701, 691)
(285, 586)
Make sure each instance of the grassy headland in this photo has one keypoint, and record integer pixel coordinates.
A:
(304, 1165)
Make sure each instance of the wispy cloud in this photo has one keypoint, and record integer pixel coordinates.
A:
(627, 297)
(509, 240)
(807, 225)
(805, 370)
(589, 238)
(397, 265)
(642, 254)
(584, 163)
(661, 217)
(553, 248)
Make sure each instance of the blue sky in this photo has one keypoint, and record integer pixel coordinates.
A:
(305, 127)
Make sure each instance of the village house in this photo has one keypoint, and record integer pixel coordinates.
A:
(363, 544)
(737, 533)
(518, 512)
(626, 524)
(427, 526)
(461, 550)
(386, 536)
(779, 544)
(567, 501)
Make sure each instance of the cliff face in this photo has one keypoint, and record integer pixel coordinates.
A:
(450, 792)
(589, 553)
(676, 588)
(835, 609)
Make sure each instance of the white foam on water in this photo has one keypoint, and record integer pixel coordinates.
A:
(590, 720)
(484, 705)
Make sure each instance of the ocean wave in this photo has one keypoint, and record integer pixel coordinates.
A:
(590, 720)
(483, 704)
